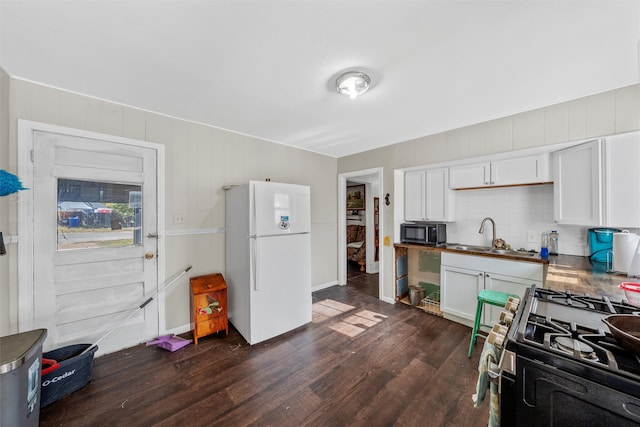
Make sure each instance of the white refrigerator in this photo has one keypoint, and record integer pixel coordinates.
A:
(268, 258)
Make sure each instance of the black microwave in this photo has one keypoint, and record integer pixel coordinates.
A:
(423, 233)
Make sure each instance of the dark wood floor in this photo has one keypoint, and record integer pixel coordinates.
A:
(361, 362)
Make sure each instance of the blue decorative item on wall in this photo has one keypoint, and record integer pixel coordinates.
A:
(9, 183)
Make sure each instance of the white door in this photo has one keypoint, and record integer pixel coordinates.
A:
(94, 240)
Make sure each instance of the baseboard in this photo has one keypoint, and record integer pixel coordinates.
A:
(388, 300)
(324, 286)
(179, 330)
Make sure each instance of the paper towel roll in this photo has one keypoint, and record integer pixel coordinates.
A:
(624, 248)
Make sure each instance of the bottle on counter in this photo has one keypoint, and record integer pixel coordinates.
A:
(544, 245)
(553, 242)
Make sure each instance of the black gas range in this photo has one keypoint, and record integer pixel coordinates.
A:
(561, 366)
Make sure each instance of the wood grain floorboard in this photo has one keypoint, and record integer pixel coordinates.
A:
(375, 364)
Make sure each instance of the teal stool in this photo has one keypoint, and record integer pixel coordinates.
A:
(486, 297)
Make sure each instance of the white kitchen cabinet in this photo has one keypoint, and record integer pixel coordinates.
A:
(622, 181)
(459, 289)
(508, 284)
(470, 176)
(522, 170)
(577, 185)
(427, 196)
(414, 191)
(462, 277)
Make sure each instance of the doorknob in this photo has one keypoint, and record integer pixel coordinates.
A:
(148, 255)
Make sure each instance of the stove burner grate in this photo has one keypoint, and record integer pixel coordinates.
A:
(579, 342)
(575, 347)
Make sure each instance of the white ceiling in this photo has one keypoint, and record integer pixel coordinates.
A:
(267, 68)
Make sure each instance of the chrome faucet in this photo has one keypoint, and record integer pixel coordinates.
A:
(481, 231)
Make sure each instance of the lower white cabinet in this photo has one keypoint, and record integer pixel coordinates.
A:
(462, 277)
(459, 288)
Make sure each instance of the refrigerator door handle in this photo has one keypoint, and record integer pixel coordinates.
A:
(254, 257)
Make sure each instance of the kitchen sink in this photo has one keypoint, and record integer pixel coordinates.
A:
(471, 248)
(512, 252)
(489, 250)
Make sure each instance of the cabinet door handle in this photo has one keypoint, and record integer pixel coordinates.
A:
(487, 275)
(480, 274)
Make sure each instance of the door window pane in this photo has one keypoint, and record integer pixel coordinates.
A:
(98, 214)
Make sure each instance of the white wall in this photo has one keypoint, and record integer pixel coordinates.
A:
(6, 261)
(516, 211)
(200, 160)
(615, 111)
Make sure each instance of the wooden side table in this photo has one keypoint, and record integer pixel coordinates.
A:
(209, 305)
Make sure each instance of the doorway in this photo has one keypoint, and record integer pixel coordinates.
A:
(367, 183)
(88, 257)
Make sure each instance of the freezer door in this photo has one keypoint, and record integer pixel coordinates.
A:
(280, 208)
(281, 285)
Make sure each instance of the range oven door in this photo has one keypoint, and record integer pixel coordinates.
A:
(541, 395)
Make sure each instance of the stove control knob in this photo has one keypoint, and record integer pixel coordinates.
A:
(506, 317)
(512, 304)
(497, 336)
(500, 329)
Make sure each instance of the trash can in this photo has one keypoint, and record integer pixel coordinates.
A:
(416, 294)
(20, 364)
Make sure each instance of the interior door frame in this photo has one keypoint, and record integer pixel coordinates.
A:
(26, 291)
(377, 174)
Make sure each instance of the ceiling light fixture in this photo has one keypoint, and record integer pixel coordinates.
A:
(353, 84)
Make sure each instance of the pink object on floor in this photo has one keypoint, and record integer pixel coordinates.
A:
(170, 342)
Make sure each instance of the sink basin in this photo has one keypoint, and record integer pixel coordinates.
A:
(512, 252)
(489, 250)
(472, 248)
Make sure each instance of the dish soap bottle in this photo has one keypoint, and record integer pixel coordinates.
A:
(553, 242)
(544, 245)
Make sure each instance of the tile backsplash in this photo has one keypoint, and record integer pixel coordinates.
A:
(516, 212)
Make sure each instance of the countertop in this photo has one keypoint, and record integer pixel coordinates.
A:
(578, 275)
(565, 272)
(451, 247)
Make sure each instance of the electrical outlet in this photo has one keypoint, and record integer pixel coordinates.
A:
(179, 219)
(531, 237)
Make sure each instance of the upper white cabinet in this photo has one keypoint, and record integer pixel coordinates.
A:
(414, 190)
(622, 180)
(532, 169)
(596, 183)
(427, 196)
(470, 176)
(577, 185)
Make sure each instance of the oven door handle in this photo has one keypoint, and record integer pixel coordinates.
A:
(493, 373)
